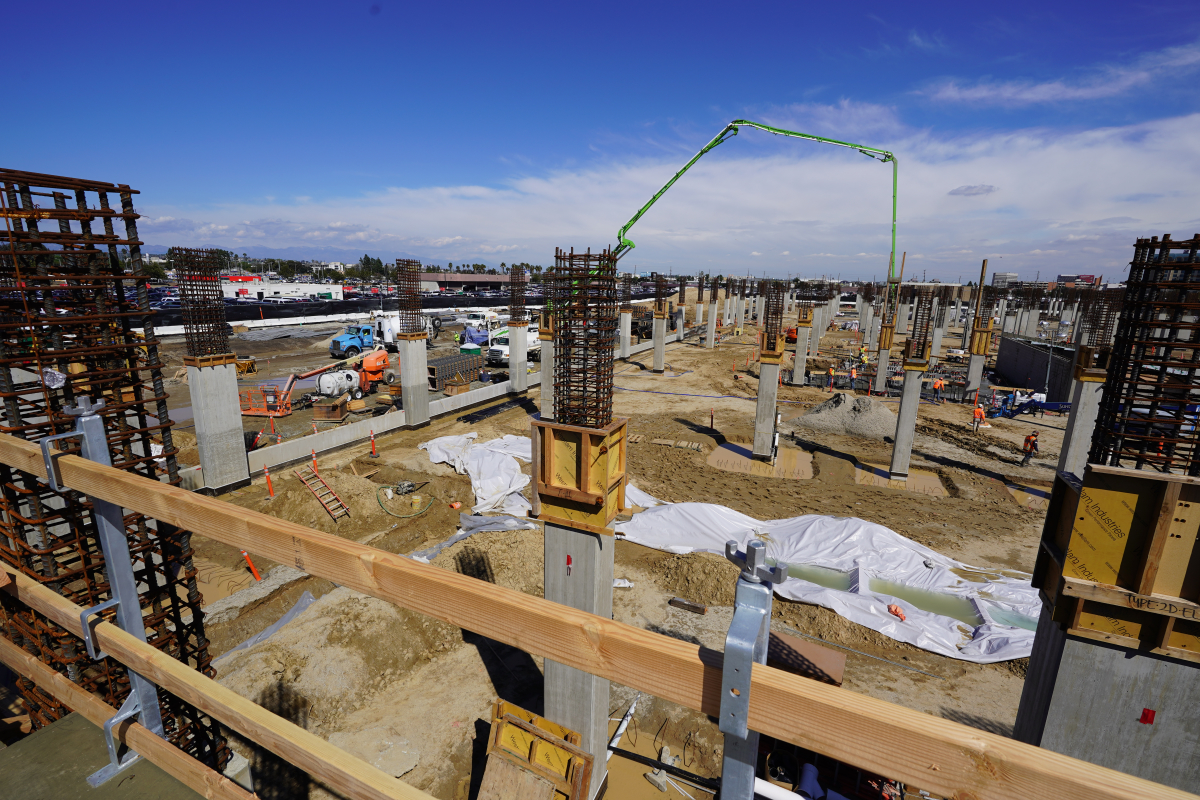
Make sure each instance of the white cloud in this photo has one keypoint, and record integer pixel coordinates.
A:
(973, 191)
(755, 253)
(777, 196)
(1107, 80)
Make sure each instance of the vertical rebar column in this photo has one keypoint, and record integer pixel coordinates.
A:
(546, 338)
(1147, 417)
(699, 316)
(768, 371)
(411, 343)
(585, 324)
(916, 353)
(408, 295)
(625, 331)
(72, 296)
(518, 331)
(211, 370)
(660, 324)
(198, 273)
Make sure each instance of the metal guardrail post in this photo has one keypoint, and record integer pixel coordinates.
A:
(142, 701)
(745, 644)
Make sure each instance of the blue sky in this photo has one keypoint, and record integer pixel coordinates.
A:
(1044, 136)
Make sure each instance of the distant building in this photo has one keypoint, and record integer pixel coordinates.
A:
(1001, 280)
(1076, 280)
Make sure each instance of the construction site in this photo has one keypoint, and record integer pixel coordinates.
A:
(747, 538)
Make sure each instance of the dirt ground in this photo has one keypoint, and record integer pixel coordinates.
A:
(360, 664)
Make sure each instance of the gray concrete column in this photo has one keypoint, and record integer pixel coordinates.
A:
(975, 373)
(626, 330)
(699, 314)
(546, 389)
(660, 342)
(764, 410)
(218, 417)
(881, 370)
(873, 342)
(1008, 322)
(902, 318)
(710, 334)
(1077, 440)
(680, 324)
(725, 312)
(739, 319)
(906, 423)
(518, 356)
(801, 361)
(579, 573)
(414, 378)
(935, 345)
(1031, 323)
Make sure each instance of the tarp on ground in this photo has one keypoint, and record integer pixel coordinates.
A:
(973, 614)
(495, 475)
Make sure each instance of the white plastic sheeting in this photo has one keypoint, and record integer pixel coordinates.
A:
(470, 525)
(495, 476)
(636, 497)
(1005, 607)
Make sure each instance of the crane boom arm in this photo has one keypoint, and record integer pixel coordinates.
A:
(624, 245)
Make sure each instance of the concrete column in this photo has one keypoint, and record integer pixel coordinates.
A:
(546, 388)
(1077, 440)
(573, 697)
(626, 329)
(414, 378)
(902, 318)
(975, 373)
(660, 342)
(1031, 323)
(881, 368)
(218, 417)
(725, 312)
(710, 334)
(699, 314)
(873, 342)
(906, 422)
(518, 356)
(802, 334)
(680, 325)
(935, 345)
(739, 312)
(764, 411)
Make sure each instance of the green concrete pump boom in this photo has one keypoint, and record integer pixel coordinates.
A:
(624, 245)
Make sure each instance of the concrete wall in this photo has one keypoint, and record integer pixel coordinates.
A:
(1020, 363)
(296, 450)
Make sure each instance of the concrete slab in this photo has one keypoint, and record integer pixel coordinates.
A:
(792, 464)
(920, 481)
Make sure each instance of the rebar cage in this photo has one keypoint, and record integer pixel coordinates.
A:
(516, 294)
(627, 293)
(1148, 414)
(917, 346)
(585, 331)
(408, 295)
(773, 322)
(700, 290)
(660, 293)
(70, 298)
(713, 289)
(201, 300)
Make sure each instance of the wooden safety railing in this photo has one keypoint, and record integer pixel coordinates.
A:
(922, 750)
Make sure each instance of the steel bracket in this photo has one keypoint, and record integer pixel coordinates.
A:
(116, 763)
(50, 458)
(745, 645)
(94, 652)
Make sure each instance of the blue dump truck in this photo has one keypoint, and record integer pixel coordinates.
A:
(354, 340)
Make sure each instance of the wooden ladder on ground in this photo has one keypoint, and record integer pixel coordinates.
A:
(329, 499)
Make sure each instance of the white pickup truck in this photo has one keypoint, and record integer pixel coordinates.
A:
(498, 352)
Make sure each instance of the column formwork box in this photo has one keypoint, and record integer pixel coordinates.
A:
(579, 473)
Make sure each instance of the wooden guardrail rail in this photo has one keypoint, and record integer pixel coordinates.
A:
(925, 751)
(179, 765)
(351, 776)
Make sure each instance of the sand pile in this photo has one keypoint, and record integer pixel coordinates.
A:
(850, 416)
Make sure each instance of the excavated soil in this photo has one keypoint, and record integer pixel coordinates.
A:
(355, 663)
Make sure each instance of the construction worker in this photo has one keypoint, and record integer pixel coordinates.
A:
(938, 383)
(831, 378)
(1031, 447)
(979, 415)
(853, 375)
